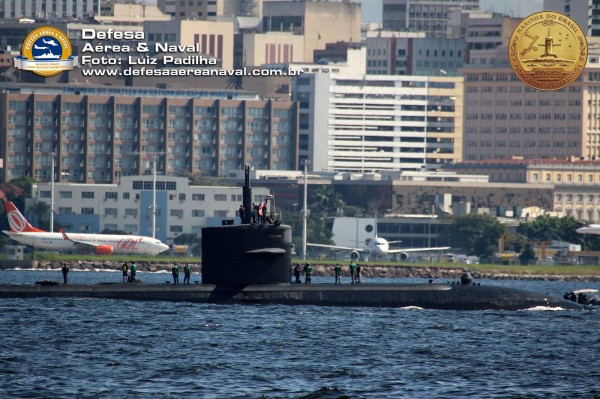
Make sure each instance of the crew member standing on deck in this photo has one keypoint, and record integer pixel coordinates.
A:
(125, 269)
(133, 272)
(338, 274)
(65, 271)
(297, 273)
(187, 272)
(308, 269)
(353, 272)
(358, 273)
(175, 271)
(242, 212)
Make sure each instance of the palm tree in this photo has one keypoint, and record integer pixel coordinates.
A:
(40, 211)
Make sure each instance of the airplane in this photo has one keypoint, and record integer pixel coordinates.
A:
(50, 42)
(40, 47)
(378, 247)
(591, 229)
(103, 244)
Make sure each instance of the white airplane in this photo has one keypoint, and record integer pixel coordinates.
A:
(103, 244)
(378, 247)
(50, 42)
(40, 47)
(591, 229)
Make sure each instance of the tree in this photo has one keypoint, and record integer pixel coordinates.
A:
(547, 228)
(40, 211)
(527, 255)
(187, 239)
(476, 234)
(24, 183)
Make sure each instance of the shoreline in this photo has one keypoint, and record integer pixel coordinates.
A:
(368, 271)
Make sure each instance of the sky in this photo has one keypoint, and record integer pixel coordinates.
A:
(371, 9)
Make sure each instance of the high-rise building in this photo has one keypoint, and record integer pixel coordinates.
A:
(213, 38)
(320, 22)
(49, 9)
(430, 16)
(100, 133)
(585, 12)
(210, 10)
(504, 117)
(407, 53)
(372, 123)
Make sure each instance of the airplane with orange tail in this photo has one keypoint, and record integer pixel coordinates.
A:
(102, 244)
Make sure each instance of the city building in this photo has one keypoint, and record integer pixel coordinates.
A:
(373, 123)
(272, 48)
(102, 133)
(306, 18)
(430, 16)
(213, 38)
(585, 12)
(49, 9)
(575, 181)
(505, 118)
(210, 9)
(127, 206)
(480, 30)
(407, 53)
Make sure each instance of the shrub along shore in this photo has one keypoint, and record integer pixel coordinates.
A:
(437, 272)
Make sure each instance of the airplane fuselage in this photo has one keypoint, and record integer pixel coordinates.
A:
(378, 247)
(121, 244)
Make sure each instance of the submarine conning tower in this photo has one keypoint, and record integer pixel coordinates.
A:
(254, 252)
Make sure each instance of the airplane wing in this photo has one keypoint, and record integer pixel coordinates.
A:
(79, 243)
(397, 251)
(337, 247)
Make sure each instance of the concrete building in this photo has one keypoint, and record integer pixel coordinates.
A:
(214, 38)
(430, 16)
(505, 118)
(320, 22)
(398, 53)
(585, 12)
(49, 9)
(480, 30)
(575, 181)
(100, 134)
(210, 10)
(417, 197)
(126, 206)
(272, 48)
(372, 123)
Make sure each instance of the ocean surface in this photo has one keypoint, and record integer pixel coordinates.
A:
(90, 348)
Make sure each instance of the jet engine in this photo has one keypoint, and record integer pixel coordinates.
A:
(104, 250)
(403, 256)
(354, 256)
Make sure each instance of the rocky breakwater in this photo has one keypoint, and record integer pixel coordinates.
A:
(83, 265)
(438, 274)
(442, 274)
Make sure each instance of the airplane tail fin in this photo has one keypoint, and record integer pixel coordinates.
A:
(17, 222)
(65, 236)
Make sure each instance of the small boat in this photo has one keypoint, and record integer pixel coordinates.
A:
(588, 296)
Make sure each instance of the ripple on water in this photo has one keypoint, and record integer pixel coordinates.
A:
(53, 347)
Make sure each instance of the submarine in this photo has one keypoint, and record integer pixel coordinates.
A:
(251, 263)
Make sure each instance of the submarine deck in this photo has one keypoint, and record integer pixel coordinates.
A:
(428, 296)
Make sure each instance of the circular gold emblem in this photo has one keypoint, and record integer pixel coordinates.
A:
(548, 50)
(46, 51)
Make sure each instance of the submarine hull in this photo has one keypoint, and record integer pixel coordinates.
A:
(427, 296)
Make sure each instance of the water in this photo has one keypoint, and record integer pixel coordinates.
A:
(87, 348)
